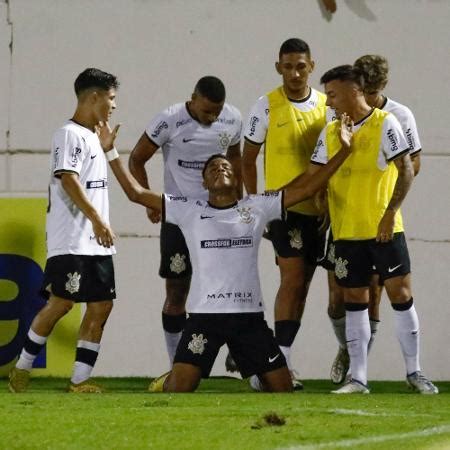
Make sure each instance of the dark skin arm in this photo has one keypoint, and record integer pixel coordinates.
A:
(249, 172)
(234, 155)
(142, 152)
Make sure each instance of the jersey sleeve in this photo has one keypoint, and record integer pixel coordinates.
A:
(393, 140)
(320, 154)
(68, 152)
(271, 204)
(158, 129)
(256, 128)
(411, 133)
(175, 209)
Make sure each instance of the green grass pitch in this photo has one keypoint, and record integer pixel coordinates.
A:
(222, 414)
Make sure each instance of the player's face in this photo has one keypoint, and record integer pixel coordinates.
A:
(295, 69)
(219, 174)
(104, 104)
(204, 110)
(339, 94)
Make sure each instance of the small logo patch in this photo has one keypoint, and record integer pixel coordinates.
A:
(296, 239)
(197, 345)
(340, 269)
(177, 263)
(73, 282)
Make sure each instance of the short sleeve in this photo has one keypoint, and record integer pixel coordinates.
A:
(393, 140)
(69, 151)
(271, 204)
(175, 209)
(158, 129)
(320, 154)
(256, 128)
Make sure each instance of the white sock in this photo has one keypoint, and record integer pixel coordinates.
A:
(82, 370)
(339, 330)
(358, 334)
(172, 341)
(287, 354)
(408, 333)
(373, 331)
(26, 359)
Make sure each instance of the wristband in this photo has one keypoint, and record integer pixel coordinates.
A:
(112, 154)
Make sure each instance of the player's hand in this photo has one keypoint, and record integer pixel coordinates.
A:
(154, 215)
(103, 234)
(386, 227)
(106, 135)
(346, 132)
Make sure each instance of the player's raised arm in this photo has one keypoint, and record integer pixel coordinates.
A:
(134, 191)
(307, 184)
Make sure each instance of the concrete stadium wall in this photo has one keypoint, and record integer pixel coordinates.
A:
(158, 49)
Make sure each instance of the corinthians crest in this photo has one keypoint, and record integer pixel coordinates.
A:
(197, 345)
(224, 140)
(177, 263)
(244, 214)
(73, 282)
(296, 239)
(341, 268)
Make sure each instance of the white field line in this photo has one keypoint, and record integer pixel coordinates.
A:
(443, 429)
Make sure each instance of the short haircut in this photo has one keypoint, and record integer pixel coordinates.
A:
(212, 158)
(294, 45)
(374, 69)
(212, 88)
(95, 79)
(345, 72)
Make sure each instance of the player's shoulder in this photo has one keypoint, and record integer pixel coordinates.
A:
(73, 131)
(397, 109)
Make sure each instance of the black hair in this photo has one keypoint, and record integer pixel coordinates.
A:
(212, 88)
(345, 72)
(95, 78)
(212, 158)
(294, 45)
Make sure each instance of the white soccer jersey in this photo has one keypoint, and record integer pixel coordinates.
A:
(223, 246)
(406, 118)
(76, 149)
(258, 120)
(393, 143)
(186, 145)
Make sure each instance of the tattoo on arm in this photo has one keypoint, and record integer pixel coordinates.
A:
(403, 183)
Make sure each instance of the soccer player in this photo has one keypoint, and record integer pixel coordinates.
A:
(188, 134)
(288, 121)
(225, 303)
(364, 199)
(374, 69)
(79, 267)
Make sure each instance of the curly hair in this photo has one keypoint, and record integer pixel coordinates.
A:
(374, 69)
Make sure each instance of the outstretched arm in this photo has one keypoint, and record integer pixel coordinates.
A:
(249, 172)
(134, 191)
(316, 178)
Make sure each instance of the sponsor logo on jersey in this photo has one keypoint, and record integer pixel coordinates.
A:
(271, 193)
(181, 123)
(74, 158)
(392, 139)
(226, 121)
(237, 297)
(56, 158)
(197, 165)
(253, 122)
(97, 184)
(161, 126)
(239, 242)
(410, 139)
(187, 140)
(175, 198)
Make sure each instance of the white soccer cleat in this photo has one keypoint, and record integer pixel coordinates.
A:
(255, 383)
(340, 366)
(296, 383)
(352, 387)
(421, 383)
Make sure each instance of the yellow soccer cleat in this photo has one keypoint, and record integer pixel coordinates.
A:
(85, 387)
(157, 385)
(18, 380)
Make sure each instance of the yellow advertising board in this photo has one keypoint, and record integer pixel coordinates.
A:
(22, 262)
